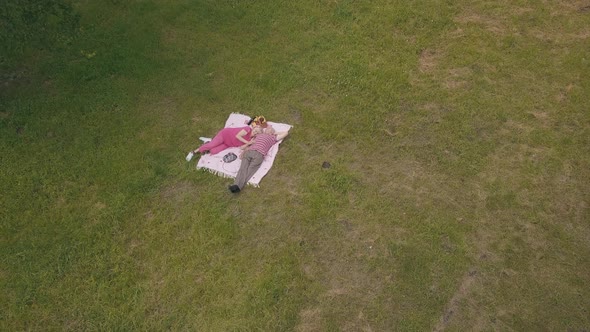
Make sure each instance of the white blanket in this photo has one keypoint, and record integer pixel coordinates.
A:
(216, 165)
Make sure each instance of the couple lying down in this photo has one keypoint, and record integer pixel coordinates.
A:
(231, 137)
(255, 140)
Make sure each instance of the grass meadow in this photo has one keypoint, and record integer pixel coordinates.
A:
(458, 196)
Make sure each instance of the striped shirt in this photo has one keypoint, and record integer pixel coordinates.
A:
(263, 143)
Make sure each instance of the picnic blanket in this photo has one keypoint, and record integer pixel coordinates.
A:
(216, 165)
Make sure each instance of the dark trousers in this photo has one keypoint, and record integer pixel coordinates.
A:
(251, 161)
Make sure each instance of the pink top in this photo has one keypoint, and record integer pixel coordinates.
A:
(263, 143)
(229, 135)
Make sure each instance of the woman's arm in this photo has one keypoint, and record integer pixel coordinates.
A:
(240, 136)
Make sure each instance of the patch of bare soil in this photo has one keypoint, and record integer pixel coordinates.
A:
(428, 60)
(452, 306)
(428, 66)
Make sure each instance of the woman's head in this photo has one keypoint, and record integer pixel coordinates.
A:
(259, 121)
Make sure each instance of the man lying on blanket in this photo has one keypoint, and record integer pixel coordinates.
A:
(253, 156)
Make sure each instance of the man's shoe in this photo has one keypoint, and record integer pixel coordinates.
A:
(234, 188)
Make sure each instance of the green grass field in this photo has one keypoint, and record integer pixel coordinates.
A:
(458, 196)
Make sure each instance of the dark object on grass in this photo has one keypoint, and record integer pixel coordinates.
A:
(228, 158)
(234, 188)
(326, 164)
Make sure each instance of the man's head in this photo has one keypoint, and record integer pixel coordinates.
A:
(269, 131)
(257, 130)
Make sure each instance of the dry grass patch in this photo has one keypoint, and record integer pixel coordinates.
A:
(413, 182)
(569, 7)
(349, 283)
(428, 68)
(428, 60)
(565, 92)
(490, 23)
(309, 320)
(527, 207)
(543, 118)
(558, 36)
(458, 78)
(454, 305)
(431, 66)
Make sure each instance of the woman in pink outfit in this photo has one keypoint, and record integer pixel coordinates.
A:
(228, 138)
(231, 137)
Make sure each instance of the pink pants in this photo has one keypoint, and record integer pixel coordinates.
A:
(217, 144)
